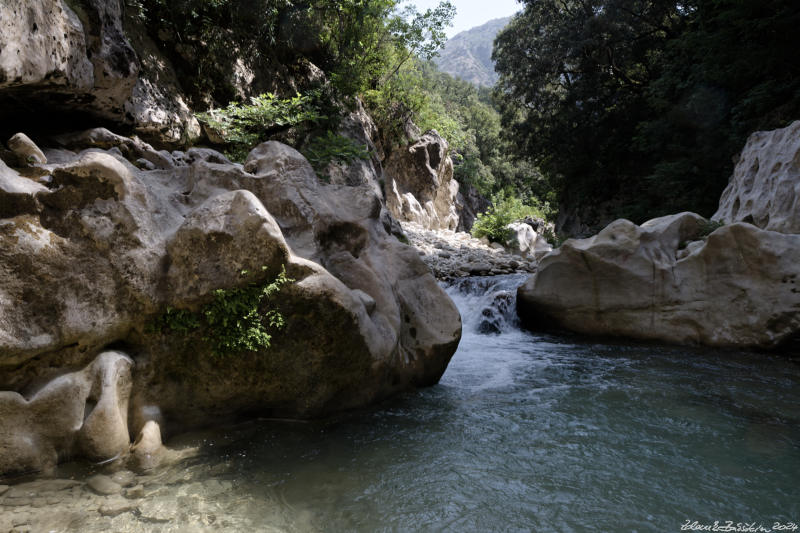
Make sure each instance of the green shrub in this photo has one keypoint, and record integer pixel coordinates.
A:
(503, 211)
(332, 147)
(708, 227)
(233, 321)
(243, 126)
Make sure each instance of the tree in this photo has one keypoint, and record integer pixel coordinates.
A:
(573, 80)
(636, 108)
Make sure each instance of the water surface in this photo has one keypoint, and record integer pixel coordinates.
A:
(525, 432)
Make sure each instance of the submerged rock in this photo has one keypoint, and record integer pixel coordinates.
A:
(738, 287)
(100, 251)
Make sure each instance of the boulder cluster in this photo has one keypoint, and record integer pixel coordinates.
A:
(450, 254)
(102, 235)
(733, 280)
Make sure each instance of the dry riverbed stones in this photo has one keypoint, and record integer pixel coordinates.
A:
(451, 254)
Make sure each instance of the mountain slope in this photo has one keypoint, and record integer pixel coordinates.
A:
(468, 55)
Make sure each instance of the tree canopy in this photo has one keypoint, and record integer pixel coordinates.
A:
(636, 108)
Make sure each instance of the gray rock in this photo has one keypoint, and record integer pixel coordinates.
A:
(116, 507)
(126, 478)
(135, 492)
(103, 485)
(737, 288)
(82, 412)
(419, 185)
(765, 187)
(136, 242)
(26, 149)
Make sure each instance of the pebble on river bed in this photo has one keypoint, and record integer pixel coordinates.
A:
(103, 485)
(452, 254)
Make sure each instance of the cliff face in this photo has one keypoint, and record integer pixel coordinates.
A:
(419, 183)
(468, 55)
(71, 64)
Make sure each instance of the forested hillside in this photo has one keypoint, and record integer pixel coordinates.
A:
(468, 55)
(637, 109)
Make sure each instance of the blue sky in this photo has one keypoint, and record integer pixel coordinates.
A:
(471, 13)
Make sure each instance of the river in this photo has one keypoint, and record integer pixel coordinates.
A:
(525, 432)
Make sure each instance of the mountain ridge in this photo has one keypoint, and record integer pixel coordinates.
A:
(468, 54)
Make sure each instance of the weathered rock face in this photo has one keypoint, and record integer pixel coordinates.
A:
(419, 183)
(53, 57)
(84, 412)
(661, 281)
(93, 249)
(469, 203)
(765, 187)
(526, 241)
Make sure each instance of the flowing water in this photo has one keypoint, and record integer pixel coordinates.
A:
(525, 432)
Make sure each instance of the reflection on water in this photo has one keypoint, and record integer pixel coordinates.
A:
(524, 433)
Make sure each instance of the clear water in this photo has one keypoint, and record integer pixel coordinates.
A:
(526, 432)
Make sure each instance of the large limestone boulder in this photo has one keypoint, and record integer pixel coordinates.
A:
(94, 250)
(525, 240)
(75, 57)
(79, 413)
(419, 184)
(664, 280)
(765, 187)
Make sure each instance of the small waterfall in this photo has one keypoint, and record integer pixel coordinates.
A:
(487, 304)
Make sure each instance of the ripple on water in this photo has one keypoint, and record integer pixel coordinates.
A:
(524, 433)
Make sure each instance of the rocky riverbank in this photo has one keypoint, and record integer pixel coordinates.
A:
(728, 281)
(455, 254)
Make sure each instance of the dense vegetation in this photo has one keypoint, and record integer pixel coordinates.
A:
(637, 108)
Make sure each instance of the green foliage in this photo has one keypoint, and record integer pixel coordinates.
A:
(243, 126)
(367, 42)
(708, 227)
(504, 210)
(233, 321)
(331, 147)
(640, 105)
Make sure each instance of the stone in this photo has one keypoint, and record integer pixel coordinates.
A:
(83, 411)
(26, 150)
(81, 61)
(737, 287)
(97, 257)
(103, 485)
(135, 492)
(125, 478)
(116, 507)
(419, 184)
(147, 450)
(526, 241)
(764, 189)
(3, 489)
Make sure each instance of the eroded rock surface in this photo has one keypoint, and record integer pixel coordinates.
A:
(765, 187)
(664, 280)
(76, 57)
(81, 413)
(94, 248)
(419, 183)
